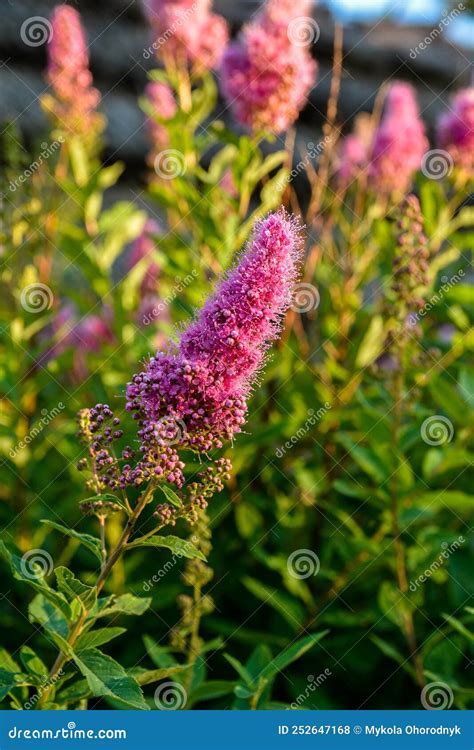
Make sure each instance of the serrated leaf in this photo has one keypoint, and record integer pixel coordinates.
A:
(32, 663)
(128, 604)
(179, 547)
(107, 678)
(73, 588)
(38, 584)
(49, 617)
(89, 541)
(98, 637)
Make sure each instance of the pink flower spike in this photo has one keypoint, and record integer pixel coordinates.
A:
(204, 382)
(456, 129)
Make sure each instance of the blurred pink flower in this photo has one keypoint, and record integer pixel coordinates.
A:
(188, 31)
(75, 99)
(163, 103)
(266, 77)
(399, 143)
(456, 129)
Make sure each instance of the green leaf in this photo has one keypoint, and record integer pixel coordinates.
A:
(171, 496)
(179, 547)
(89, 541)
(366, 459)
(97, 637)
(107, 678)
(160, 655)
(209, 690)
(288, 607)
(73, 588)
(148, 676)
(21, 573)
(240, 669)
(126, 603)
(372, 343)
(42, 611)
(292, 653)
(32, 663)
(7, 683)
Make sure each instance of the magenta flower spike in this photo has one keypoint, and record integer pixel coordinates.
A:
(267, 73)
(456, 129)
(75, 98)
(203, 383)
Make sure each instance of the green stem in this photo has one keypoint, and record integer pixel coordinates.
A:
(101, 579)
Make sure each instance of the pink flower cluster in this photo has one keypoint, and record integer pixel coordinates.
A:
(200, 387)
(456, 129)
(266, 76)
(187, 30)
(394, 152)
(75, 99)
